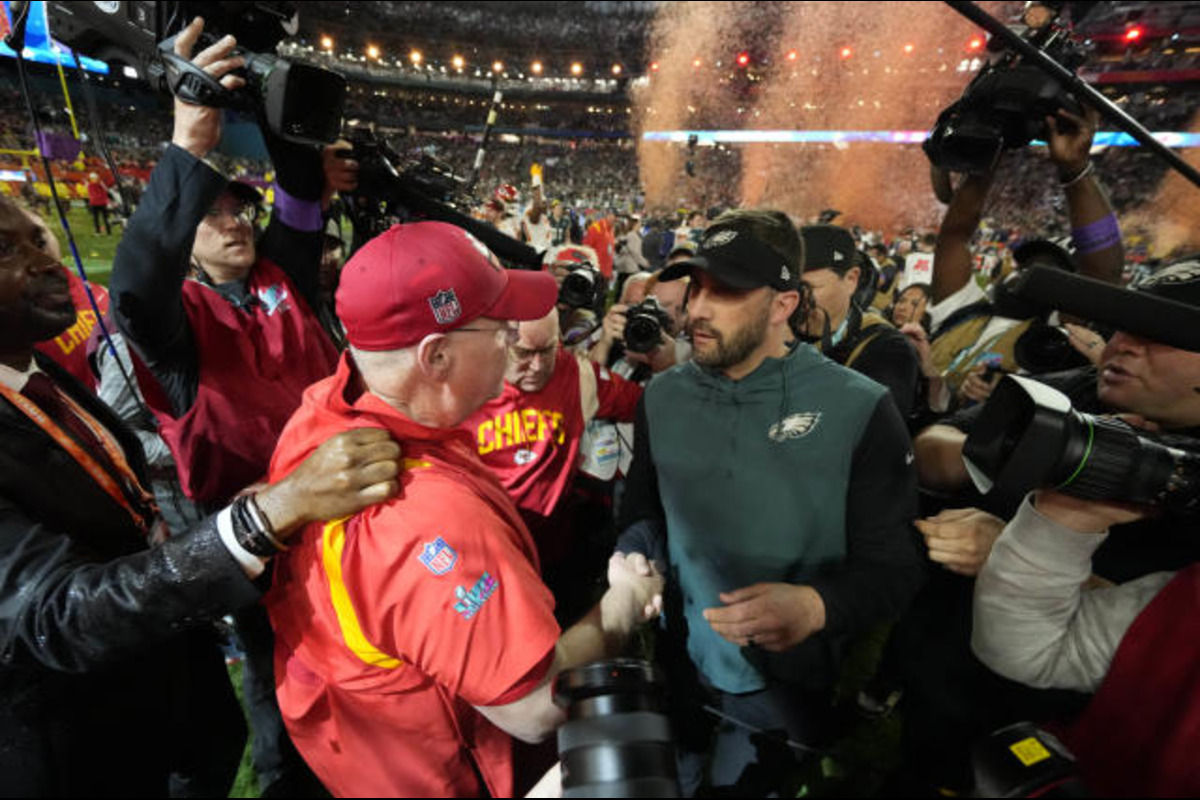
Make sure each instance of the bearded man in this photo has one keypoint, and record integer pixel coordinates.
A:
(779, 488)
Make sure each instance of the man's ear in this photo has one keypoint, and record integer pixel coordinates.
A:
(434, 357)
(783, 306)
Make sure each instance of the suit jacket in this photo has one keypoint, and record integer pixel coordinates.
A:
(101, 660)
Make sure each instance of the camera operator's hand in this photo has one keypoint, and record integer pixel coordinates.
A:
(1070, 139)
(347, 473)
(977, 387)
(961, 539)
(614, 324)
(198, 128)
(1084, 516)
(341, 171)
(1089, 343)
(659, 359)
(775, 616)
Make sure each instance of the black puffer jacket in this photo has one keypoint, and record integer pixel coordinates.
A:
(105, 678)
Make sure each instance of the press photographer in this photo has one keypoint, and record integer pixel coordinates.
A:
(1037, 619)
(223, 320)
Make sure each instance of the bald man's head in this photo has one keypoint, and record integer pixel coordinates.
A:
(531, 360)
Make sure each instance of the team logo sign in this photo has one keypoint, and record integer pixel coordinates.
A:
(795, 426)
(445, 306)
(273, 298)
(438, 556)
(469, 602)
(523, 457)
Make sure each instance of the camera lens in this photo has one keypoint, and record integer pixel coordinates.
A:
(616, 742)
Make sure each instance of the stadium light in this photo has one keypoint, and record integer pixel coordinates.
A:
(497, 66)
(577, 69)
(326, 42)
(458, 62)
(616, 69)
(536, 68)
(743, 59)
(372, 51)
(1133, 34)
(415, 57)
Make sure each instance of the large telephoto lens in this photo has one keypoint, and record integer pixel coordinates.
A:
(617, 741)
(1029, 437)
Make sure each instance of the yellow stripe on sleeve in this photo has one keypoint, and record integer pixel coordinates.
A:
(333, 544)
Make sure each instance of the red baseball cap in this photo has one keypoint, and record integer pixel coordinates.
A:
(431, 277)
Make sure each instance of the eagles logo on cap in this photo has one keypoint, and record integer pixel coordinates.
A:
(1186, 272)
(718, 239)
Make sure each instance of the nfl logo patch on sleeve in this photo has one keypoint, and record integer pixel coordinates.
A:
(438, 557)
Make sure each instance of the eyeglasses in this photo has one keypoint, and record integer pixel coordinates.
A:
(511, 334)
(247, 214)
(523, 354)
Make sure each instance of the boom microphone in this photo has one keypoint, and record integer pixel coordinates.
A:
(1135, 311)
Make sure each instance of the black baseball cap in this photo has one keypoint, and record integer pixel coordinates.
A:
(1178, 281)
(829, 247)
(245, 192)
(1043, 253)
(738, 259)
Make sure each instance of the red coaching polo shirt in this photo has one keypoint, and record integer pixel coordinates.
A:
(393, 625)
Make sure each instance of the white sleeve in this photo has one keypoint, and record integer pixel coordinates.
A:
(1034, 622)
(968, 294)
(251, 564)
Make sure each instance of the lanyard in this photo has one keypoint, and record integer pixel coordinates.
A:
(84, 459)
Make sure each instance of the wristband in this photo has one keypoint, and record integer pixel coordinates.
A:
(249, 535)
(301, 215)
(1099, 235)
(1083, 173)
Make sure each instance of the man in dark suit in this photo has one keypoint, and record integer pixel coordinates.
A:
(108, 684)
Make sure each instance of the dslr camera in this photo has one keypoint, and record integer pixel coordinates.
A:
(583, 287)
(645, 324)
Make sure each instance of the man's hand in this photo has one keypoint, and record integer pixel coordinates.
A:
(347, 473)
(961, 539)
(919, 339)
(1084, 516)
(659, 359)
(977, 388)
(1070, 140)
(614, 324)
(774, 615)
(635, 589)
(1086, 341)
(198, 128)
(341, 173)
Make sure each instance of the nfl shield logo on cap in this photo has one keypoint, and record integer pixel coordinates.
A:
(445, 307)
